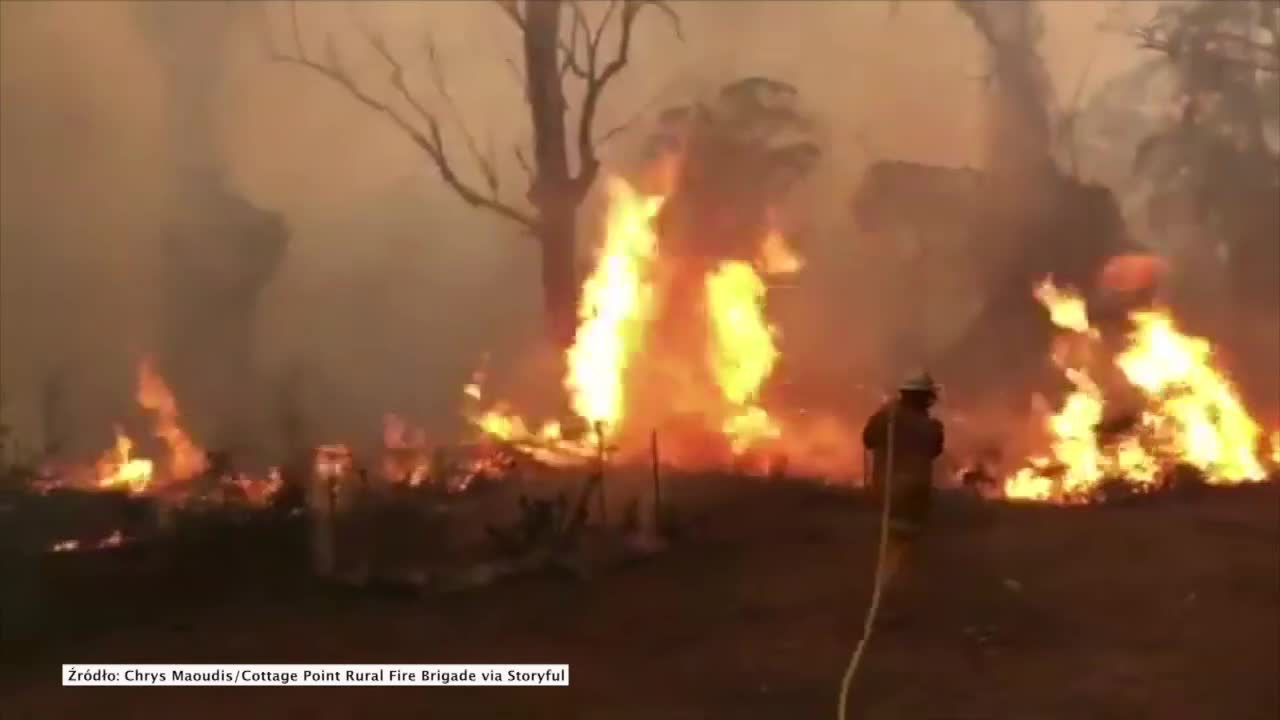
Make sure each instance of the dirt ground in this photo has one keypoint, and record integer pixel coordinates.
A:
(1168, 610)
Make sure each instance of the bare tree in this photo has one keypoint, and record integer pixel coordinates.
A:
(555, 53)
(1020, 139)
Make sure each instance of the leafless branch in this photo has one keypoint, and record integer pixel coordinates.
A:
(524, 162)
(594, 47)
(512, 10)
(486, 165)
(431, 142)
(297, 32)
(672, 17)
(517, 75)
(570, 52)
(599, 79)
(578, 31)
(634, 117)
(1222, 46)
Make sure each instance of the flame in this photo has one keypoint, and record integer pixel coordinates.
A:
(776, 255)
(717, 376)
(615, 301)
(258, 492)
(1191, 414)
(333, 461)
(749, 428)
(406, 458)
(186, 459)
(118, 470)
(615, 305)
(742, 353)
(1067, 309)
(1198, 412)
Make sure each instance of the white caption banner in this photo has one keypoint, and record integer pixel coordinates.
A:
(314, 675)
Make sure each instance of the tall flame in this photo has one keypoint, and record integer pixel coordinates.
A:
(186, 459)
(615, 301)
(742, 352)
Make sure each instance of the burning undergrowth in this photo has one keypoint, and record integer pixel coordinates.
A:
(184, 472)
(675, 340)
(1142, 409)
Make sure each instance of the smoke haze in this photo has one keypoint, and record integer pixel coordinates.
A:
(387, 290)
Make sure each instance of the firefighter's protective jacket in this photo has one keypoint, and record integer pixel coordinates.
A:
(918, 440)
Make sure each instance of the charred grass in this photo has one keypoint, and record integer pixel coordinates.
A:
(1161, 609)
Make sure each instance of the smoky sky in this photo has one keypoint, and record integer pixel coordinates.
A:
(391, 290)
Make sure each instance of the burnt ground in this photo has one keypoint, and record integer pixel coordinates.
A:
(1168, 610)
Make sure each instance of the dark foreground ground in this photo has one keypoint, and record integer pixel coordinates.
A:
(1166, 611)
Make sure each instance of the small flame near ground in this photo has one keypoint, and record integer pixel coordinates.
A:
(183, 459)
(1191, 414)
(119, 470)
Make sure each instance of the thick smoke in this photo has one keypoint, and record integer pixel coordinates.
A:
(139, 138)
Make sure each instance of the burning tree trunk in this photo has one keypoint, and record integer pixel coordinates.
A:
(555, 191)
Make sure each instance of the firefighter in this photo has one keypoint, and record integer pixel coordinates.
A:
(915, 442)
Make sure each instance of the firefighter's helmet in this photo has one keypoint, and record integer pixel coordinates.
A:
(921, 382)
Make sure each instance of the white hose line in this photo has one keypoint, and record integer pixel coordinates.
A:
(873, 609)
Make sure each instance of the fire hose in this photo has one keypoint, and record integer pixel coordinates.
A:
(880, 580)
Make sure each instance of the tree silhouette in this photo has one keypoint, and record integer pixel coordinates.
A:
(555, 54)
(1214, 165)
(740, 153)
